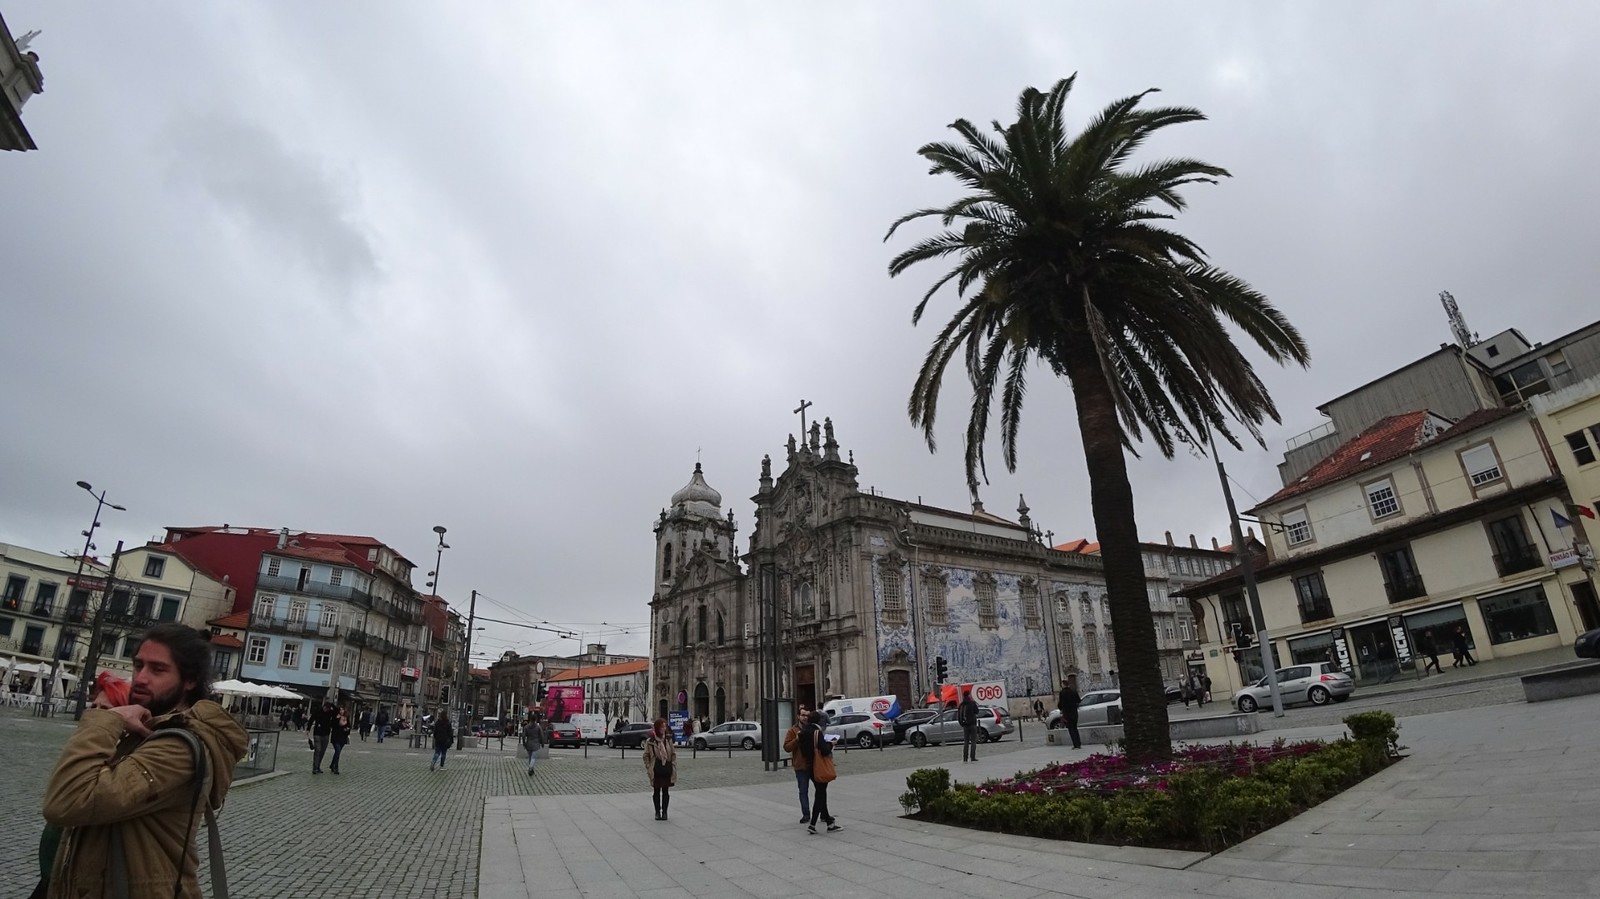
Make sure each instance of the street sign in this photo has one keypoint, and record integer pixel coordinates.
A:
(87, 583)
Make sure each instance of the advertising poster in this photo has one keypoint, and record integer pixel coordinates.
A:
(561, 703)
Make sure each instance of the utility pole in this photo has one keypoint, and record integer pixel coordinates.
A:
(97, 635)
(1247, 572)
(463, 675)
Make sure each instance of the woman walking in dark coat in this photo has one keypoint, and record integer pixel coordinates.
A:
(661, 766)
(340, 738)
(444, 733)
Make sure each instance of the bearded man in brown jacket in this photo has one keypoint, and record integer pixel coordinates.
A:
(127, 794)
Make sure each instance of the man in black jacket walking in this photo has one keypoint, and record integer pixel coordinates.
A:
(1069, 701)
(967, 717)
(322, 721)
(443, 735)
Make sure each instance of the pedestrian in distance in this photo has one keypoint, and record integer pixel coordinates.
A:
(532, 741)
(365, 723)
(1463, 651)
(1430, 651)
(323, 719)
(1068, 703)
(661, 766)
(380, 723)
(967, 717)
(339, 738)
(134, 781)
(819, 760)
(299, 717)
(283, 718)
(797, 761)
(1184, 692)
(444, 733)
(1205, 689)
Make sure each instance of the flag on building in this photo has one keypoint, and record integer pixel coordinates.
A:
(1562, 521)
(1578, 509)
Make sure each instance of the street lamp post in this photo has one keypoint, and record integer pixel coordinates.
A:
(422, 647)
(94, 633)
(462, 676)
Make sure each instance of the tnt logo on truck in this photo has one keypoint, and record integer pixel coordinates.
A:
(989, 693)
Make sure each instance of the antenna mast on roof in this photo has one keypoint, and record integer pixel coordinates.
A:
(1458, 325)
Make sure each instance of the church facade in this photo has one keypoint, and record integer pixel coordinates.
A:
(868, 591)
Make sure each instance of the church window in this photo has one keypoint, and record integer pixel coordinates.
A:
(666, 563)
(722, 633)
(984, 586)
(1069, 650)
(935, 590)
(1085, 608)
(894, 601)
(700, 624)
(1032, 616)
(666, 635)
(1111, 644)
(683, 634)
(1091, 645)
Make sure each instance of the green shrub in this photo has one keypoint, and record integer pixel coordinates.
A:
(924, 785)
(1378, 728)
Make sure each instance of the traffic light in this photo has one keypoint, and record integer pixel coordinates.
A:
(941, 668)
(541, 693)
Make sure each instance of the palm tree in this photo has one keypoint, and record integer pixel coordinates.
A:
(1062, 258)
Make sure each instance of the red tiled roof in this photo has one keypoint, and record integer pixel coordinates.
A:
(236, 621)
(1081, 546)
(315, 554)
(1390, 439)
(633, 667)
(226, 641)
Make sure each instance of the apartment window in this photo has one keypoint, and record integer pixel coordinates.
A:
(33, 640)
(330, 616)
(222, 663)
(265, 604)
(347, 663)
(1312, 594)
(1401, 580)
(1184, 631)
(372, 554)
(1522, 615)
(274, 566)
(935, 590)
(988, 613)
(1168, 628)
(1513, 551)
(1032, 615)
(78, 605)
(1481, 465)
(6, 624)
(290, 656)
(155, 566)
(1578, 441)
(894, 601)
(15, 587)
(1381, 499)
(169, 608)
(145, 606)
(336, 577)
(1522, 382)
(119, 602)
(258, 651)
(297, 611)
(44, 599)
(130, 646)
(321, 659)
(1297, 527)
(67, 644)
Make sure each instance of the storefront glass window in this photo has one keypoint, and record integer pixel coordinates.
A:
(1517, 616)
(1315, 648)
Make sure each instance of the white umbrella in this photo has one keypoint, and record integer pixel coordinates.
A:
(58, 686)
(38, 684)
(233, 688)
(7, 673)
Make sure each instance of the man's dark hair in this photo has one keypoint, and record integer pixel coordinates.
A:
(191, 652)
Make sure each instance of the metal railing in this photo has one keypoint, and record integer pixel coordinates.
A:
(1520, 558)
(1405, 587)
(1321, 610)
(314, 588)
(282, 624)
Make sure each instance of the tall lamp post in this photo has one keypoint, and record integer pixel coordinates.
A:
(462, 677)
(94, 632)
(422, 649)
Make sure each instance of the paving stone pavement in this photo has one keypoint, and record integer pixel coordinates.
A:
(1494, 800)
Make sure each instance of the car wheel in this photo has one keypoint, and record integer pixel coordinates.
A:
(919, 740)
(991, 737)
(699, 743)
(1319, 695)
(865, 740)
(747, 743)
(1057, 724)
(1247, 703)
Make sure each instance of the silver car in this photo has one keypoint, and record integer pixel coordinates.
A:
(1316, 683)
(946, 729)
(730, 734)
(865, 729)
(1095, 707)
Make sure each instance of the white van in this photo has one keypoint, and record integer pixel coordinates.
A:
(887, 706)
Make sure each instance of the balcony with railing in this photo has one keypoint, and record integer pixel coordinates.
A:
(1403, 587)
(75, 614)
(357, 637)
(1518, 558)
(314, 588)
(297, 626)
(1319, 609)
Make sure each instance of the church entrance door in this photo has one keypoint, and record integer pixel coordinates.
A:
(900, 686)
(722, 707)
(702, 701)
(805, 685)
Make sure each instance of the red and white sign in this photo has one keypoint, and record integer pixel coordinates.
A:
(993, 693)
(410, 672)
(882, 704)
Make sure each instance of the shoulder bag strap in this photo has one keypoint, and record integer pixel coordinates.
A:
(219, 872)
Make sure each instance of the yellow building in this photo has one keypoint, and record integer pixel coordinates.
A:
(1570, 420)
(1415, 530)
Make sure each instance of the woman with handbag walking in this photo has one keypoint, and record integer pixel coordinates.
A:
(660, 766)
(819, 760)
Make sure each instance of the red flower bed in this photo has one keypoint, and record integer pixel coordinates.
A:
(1102, 773)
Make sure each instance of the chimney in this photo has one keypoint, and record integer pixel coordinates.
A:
(1250, 533)
(1193, 544)
(283, 537)
(1215, 545)
(1169, 538)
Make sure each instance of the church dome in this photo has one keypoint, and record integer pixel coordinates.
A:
(698, 496)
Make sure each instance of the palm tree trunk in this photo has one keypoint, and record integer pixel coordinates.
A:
(1144, 703)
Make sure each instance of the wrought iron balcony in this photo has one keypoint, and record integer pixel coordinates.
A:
(357, 637)
(283, 625)
(75, 614)
(1406, 587)
(1518, 558)
(1320, 610)
(314, 588)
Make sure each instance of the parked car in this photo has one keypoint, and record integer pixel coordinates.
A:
(728, 734)
(488, 728)
(565, 734)
(1094, 708)
(865, 729)
(946, 729)
(908, 720)
(1317, 683)
(630, 736)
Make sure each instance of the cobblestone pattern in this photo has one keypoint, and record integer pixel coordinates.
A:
(389, 827)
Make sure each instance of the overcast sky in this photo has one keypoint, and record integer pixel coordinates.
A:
(508, 267)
